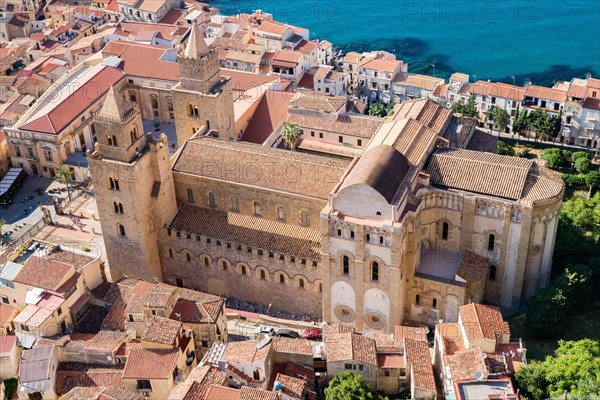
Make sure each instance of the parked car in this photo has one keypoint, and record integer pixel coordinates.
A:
(288, 333)
(264, 330)
(312, 334)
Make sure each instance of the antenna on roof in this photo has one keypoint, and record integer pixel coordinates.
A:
(479, 375)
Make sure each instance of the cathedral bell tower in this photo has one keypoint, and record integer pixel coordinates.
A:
(133, 187)
(202, 100)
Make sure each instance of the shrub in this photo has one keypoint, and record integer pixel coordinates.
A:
(554, 157)
(580, 154)
(582, 165)
(592, 179)
(503, 149)
(573, 180)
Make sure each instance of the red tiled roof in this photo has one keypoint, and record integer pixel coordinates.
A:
(55, 117)
(215, 392)
(171, 17)
(307, 81)
(6, 311)
(482, 321)
(162, 330)
(268, 116)
(390, 361)
(546, 93)
(42, 273)
(143, 60)
(382, 64)
(7, 343)
(150, 363)
(417, 355)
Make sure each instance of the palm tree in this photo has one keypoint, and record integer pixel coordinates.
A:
(291, 133)
(63, 175)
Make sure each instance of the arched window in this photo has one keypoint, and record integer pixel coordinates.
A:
(206, 261)
(345, 266)
(445, 231)
(368, 238)
(170, 253)
(190, 195)
(212, 200)
(281, 278)
(116, 207)
(196, 112)
(188, 257)
(116, 184)
(109, 140)
(301, 283)
(417, 300)
(224, 265)
(257, 210)
(375, 271)
(491, 240)
(434, 303)
(493, 273)
(121, 230)
(320, 288)
(114, 141)
(339, 232)
(111, 183)
(280, 213)
(263, 276)
(243, 270)
(304, 220)
(190, 110)
(120, 208)
(381, 239)
(133, 135)
(234, 204)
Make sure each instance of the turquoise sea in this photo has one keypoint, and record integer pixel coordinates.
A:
(537, 40)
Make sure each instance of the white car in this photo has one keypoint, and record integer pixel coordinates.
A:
(264, 330)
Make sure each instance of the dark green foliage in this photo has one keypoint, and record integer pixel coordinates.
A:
(580, 154)
(503, 149)
(582, 165)
(554, 157)
(574, 180)
(468, 109)
(348, 386)
(575, 369)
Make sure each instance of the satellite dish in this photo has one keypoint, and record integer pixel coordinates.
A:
(483, 355)
(109, 358)
(479, 375)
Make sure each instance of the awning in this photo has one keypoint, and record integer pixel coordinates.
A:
(25, 340)
(284, 64)
(9, 179)
(79, 303)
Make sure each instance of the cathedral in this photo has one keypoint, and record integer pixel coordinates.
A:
(408, 230)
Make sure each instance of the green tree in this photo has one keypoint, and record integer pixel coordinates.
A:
(554, 157)
(520, 122)
(592, 179)
(539, 120)
(577, 285)
(582, 165)
(500, 117)
(378, 110)
(503, 149)
(291, 133)
(468, 109)
(532, 382)
(580, 154)
(547, 312)
(556, 124)
(348, 386)
(63, 175)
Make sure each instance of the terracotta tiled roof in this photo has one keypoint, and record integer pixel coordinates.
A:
(417, 355)
(272, 27)
(426, 112)
(7, 312)
(103, 340)
(357, 125)
(292, 346)
(473, 267)
(71, 375)
(248, 393)
(313, 176)
(351, 347)
(451, 334)
(291, 56)
(498, 89)
(410, 332)
(162, 330)
(352, 57)
(245, 352)
(465, 364)
(239, 374)
(390, 361)
(592, 103)
(43, 273)
(268, 116)
(382, 64)
(424, 82)
(318, 101)
(215, 392)
(150, 363)
(546, 93)
(101, 393)
(479, 172)
(7, 343)
(482, 321)
(250, 231)
(306, 46)
(172, 16)
(334, 329)
(291, 387)
(385, 342)
(55, 116)
(307, 81)
(198, 383)
(593, 83)
(143, 60)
